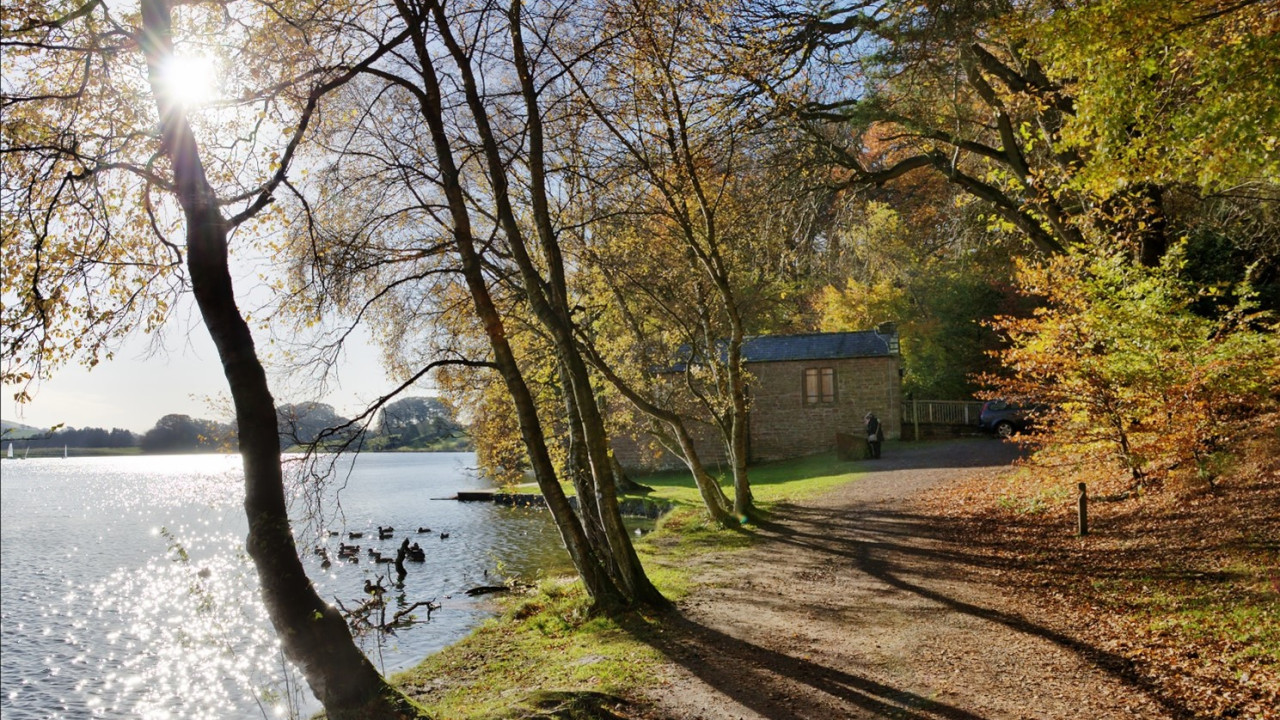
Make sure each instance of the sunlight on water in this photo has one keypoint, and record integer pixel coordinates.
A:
(127, 592)
(189, 638)
(191, 630)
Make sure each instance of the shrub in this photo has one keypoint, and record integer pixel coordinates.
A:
(1128, 368)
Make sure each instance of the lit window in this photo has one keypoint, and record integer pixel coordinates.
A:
(819, 385)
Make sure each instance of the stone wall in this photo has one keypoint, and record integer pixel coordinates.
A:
(784, 426)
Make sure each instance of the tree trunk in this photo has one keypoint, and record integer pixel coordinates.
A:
(580, 471)
(743, 503)
(1151, 225)
(313, 633)
(631, 573)
(712, 497)
(552, 312)
(597, 581)
(626, 485)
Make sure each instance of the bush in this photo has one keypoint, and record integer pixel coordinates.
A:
(1128, 368)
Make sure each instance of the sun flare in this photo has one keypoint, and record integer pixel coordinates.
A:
(190, 80)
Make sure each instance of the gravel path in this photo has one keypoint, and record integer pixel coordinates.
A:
(853, 606)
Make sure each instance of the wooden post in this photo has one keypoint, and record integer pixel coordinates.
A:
(401, 552)
(1082, 520)
(915, 416)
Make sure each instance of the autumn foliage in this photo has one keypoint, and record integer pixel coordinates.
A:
(1129, 373)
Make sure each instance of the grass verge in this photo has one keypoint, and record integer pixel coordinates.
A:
(546, 656)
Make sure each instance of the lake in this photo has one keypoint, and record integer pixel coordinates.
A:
(127, 592)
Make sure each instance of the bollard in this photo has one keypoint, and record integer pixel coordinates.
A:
(1082, 520)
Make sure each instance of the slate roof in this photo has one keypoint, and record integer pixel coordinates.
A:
(818, 346)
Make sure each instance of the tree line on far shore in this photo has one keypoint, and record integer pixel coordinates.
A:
(414, 423)
(89, 437)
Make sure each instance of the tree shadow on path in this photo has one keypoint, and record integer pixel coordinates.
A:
(769, 682)
(885, 550)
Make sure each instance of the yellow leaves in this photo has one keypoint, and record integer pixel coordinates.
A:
(101, 271)
(1160, 96)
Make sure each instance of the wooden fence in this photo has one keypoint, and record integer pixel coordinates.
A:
(955, 414)
(942, 412)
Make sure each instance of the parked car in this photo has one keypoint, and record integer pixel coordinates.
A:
(1004, 418)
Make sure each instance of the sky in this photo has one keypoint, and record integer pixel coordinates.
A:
(142, 384)
(138, 386)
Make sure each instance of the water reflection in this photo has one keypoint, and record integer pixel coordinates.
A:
(186, 632)
(127, 592)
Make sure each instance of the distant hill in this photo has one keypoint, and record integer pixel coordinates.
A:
(10, 430)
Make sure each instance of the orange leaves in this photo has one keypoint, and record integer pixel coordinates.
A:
(1126, 366)
(1181, 585)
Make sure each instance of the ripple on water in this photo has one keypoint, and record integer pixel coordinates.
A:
(171, 641)
(105, 615)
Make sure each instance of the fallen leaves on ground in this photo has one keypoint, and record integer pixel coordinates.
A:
(1181, 581)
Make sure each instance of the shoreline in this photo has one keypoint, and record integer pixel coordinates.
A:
(134, 451)
(822, 610)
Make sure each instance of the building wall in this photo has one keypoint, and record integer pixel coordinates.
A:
(644, 453)
(784, 426)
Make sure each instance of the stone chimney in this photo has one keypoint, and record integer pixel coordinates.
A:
(889, 332)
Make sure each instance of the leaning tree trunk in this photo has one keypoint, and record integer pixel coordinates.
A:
(712, 496)
(552, 313)
(314, 634)
(599, 584)
(626, 485)
(713, 264)
(558, 318)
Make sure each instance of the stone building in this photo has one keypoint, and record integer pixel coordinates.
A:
(804, 390)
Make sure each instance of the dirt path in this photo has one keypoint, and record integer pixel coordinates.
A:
(854, 607)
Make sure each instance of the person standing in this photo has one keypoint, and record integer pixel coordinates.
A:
(875, 434)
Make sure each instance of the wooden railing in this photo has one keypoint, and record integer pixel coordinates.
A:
(941, 412)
